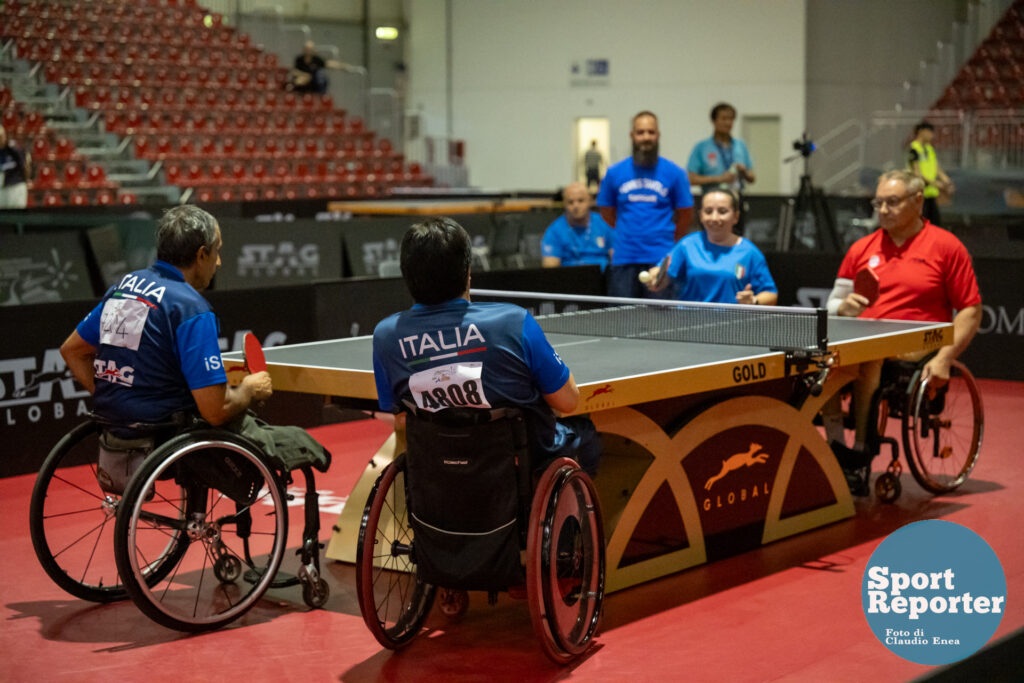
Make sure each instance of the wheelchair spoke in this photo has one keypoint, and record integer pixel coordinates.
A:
(56, 515)
(91, 494)
(98, 530)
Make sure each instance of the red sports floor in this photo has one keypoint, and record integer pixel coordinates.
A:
(788, 612)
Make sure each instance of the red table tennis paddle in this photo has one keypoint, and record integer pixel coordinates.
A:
(255, 361)
(865, 283)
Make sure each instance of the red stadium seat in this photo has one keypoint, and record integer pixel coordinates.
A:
(173, 173)
(105, 198)
(79, 199)
(46, 177)
(72, 174)
(96, 176)
(127, 198)
(40, 149)
(53, 199)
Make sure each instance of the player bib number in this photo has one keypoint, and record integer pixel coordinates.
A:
(122, 322)
(449, 386)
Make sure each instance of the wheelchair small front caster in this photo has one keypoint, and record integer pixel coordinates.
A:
(315, 593)
(453, 603)
(888, 487)
(227, 568)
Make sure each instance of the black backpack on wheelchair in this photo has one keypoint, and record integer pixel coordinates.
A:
(456, 511)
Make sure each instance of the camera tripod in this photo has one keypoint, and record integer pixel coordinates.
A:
(808, 207)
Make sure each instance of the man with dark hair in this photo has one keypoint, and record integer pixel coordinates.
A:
(15, 170)
(592, 162)
(922, 162)
(448, 352)
(647, 199)
(149, 349)
(721, 159)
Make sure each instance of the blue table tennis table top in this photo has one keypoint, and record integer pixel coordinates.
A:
(637, 367)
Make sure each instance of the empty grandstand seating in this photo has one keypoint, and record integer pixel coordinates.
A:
(993, 78)
(193, 94)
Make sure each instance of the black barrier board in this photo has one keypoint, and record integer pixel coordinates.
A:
(273, 254)
(39, 400)
(372, 244)
(107, 255)
(997, 349)
(41, 268)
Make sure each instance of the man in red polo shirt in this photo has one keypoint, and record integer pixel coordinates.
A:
(924, 273)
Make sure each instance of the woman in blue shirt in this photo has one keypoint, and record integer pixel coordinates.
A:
(716, 264)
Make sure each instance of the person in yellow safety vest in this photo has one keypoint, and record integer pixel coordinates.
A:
(922, 162)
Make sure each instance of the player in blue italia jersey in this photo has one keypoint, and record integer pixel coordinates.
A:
(579, 237)
(149, 349)
(716, 264)
(448, 352)
(647, 199)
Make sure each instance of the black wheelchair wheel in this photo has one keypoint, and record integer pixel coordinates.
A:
(565, 561)
(942, 429)
(71, 521)
(235, 508)
(393, 601)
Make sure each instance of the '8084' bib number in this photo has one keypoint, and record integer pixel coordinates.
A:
(458, 385)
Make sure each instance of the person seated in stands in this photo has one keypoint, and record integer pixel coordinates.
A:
(924, 273)
(309, 73)
(578, 237)
(448, 352)
(149, 351)
(15, 170)
(715, 264)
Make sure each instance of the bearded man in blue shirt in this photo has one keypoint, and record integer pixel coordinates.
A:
(647, 199)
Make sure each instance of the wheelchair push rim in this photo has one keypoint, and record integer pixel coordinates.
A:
(393, 601)
(232, 547)
(943, 429)
(71, 521)
(565, 562)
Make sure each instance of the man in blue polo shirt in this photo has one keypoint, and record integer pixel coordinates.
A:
(721, 159)
(578, 237)
(448, 352)
(149, 349)
(647, 199)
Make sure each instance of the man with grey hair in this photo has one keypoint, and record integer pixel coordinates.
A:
(923, 273)
(149, 350)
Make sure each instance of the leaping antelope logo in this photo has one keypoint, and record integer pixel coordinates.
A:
(734, 462)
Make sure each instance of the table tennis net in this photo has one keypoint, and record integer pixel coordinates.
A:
(768, 326)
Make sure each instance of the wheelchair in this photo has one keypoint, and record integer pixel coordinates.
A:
(198, 530)
(459, 510)
(941, 427)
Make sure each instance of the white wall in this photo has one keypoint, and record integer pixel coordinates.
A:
(512, 99)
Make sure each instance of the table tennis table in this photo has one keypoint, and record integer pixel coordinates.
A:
(709, 449)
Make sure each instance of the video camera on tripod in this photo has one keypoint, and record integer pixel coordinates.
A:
(817, 225)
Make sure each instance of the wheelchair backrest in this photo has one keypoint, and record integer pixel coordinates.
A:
(465, 494)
